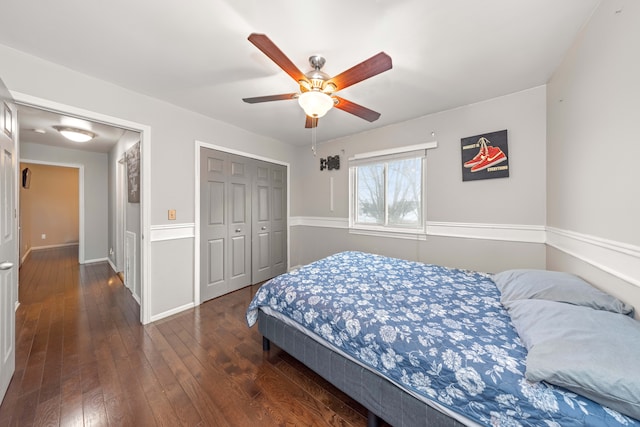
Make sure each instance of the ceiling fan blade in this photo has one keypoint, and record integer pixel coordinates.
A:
(357, 110)
(268, 98)
(269, 48)
(311, 122)
(375, 65)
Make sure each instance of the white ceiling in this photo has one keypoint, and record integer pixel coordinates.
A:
(195, 54)
(37, 126)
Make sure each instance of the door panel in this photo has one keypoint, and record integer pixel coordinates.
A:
(278, 204)
(216, 203)
(263, 203)
(263, 252)
(216, 262)
(277, 253)
(8, 243)
(239, 203)
(239, 257)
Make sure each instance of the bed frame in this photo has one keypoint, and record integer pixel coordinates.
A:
(383, 399)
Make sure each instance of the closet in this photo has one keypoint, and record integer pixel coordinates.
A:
(243, 222)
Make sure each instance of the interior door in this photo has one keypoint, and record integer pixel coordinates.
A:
(8, 242)
(213, 223)
(225, 223)
(239, 185)
(269, 222)
(278, 220)
(262, 224)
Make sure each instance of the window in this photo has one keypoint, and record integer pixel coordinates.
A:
(387, 190)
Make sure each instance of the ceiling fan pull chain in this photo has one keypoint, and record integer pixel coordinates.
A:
(313, 140)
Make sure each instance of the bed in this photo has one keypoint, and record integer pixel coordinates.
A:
(420, 344)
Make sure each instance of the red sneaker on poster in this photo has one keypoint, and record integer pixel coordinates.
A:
(482, 153)
(493, 157)
(478, 157)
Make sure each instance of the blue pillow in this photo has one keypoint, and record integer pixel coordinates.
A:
(594, 353)
(555, 286)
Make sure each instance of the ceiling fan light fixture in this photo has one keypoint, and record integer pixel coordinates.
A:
(75, 134)
(315, 103)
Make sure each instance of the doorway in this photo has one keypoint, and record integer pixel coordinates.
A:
(51, 207)
(108, 215)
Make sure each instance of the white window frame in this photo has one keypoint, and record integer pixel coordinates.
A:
(411, 151)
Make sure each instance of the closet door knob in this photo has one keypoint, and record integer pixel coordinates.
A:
(263, 228)
(6, 265)
(238, 230)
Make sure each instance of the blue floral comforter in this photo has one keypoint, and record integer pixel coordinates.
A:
(441, 333)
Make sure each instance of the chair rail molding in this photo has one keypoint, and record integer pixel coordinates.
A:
(172, 231)
(619, 259)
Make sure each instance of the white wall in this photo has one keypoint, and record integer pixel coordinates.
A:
(95, 191)
(173, 134)
(517, 201)
(593, 148)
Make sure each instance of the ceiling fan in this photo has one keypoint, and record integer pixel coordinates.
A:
(317, 89)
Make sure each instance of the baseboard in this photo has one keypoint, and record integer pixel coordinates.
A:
(91, 261)
(61, 245)
(171, 312)
(112, 265)
(25, 256)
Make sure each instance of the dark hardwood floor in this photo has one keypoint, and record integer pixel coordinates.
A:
(83, 358)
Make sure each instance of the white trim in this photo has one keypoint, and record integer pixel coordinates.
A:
(317, 221)
(172, 232)
(91, 261)
(505, 232)
(59, 245)
(81, 206)
(112, 265)
(145, 202)
(397, 150)
(24, 257)
(396, 233)
(171, 312)
(196, 264)
(619, 259)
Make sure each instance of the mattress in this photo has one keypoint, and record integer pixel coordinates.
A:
(440, 335)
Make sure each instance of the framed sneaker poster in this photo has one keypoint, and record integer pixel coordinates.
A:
(485, 156)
